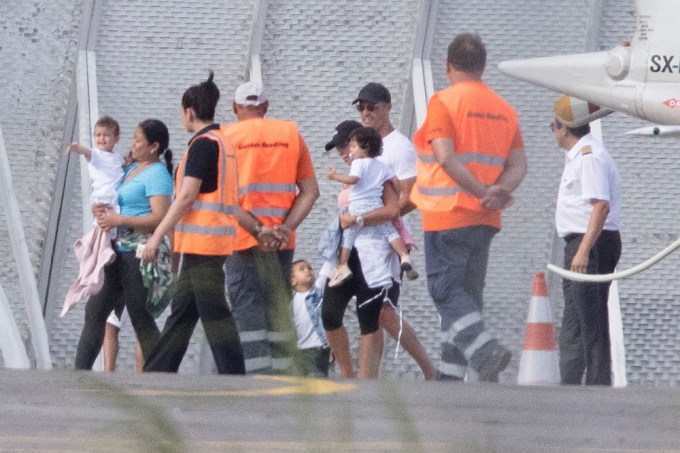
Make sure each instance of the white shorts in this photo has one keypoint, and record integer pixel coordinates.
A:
(119, 323)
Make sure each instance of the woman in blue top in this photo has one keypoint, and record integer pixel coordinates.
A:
(144, 196)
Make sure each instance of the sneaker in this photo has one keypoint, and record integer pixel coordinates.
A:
(447, 377)
(407, 267)
(496, 362)
(339, 275)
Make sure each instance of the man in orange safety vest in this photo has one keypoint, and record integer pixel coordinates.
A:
(277, 187)
(470, 160)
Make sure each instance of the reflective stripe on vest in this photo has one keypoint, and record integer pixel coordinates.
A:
(434, 189)
(209, 227)
(215, 207)
(268, 153)
(206, 230)
(438, 191)
(270, 212)
(466, 159)
(469, 158)
(267, 187)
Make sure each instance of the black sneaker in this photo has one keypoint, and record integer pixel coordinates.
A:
(447, 377)
(496, 362)
(407, 267)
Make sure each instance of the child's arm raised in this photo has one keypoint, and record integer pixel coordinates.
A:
(339, 177)
(80, 149)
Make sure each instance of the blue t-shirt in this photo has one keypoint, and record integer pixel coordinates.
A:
(133, 195)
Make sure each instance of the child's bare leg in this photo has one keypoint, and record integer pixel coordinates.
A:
(405, 258)
(399, 247)
(110, 347)
(139, 357)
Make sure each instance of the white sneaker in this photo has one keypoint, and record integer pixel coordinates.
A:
(407, 267)
(339, 275)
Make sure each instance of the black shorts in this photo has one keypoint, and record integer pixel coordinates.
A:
(369, 300)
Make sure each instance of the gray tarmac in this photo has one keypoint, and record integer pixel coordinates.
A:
(66, 411)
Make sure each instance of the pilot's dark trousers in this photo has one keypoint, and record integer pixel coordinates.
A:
(584, 335)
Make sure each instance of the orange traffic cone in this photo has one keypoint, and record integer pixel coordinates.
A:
(539, 364)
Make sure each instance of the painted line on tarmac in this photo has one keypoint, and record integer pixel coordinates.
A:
(295, 386)
(352, 445)
(113, 443)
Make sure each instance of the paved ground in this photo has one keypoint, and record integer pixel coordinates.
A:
(62, 411)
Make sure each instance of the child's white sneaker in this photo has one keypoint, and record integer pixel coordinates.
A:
(339, 275)
(407, 267)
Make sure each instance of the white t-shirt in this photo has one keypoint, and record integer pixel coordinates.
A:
(106, 172)
(372, 175)
(306, 333)
(373, 249)
(379, 261)
(589, 174)
(399, 154)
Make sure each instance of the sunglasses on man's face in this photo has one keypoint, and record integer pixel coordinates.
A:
(361, 106)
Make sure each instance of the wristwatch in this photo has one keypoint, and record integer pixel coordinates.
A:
(360, 221)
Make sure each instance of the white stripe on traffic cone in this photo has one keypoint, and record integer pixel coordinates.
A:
(539, 363)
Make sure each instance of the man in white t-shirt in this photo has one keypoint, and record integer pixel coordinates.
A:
(374, 104)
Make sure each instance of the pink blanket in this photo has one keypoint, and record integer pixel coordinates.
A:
(93, 251)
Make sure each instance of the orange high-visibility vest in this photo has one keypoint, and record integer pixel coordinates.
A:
(267, 152)
(484, 128)
(209, 227)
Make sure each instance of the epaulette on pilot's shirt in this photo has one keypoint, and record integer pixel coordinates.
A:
(586, 150)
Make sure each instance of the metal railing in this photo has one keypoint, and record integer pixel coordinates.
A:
(421, 67)
(81, 115)
(257, 35)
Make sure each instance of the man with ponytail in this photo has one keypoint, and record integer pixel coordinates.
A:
(277, 188)
(204, 216)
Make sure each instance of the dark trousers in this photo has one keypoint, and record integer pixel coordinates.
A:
(200, 295)
(456, 262)
(584, 335)
(123, 287)
(313, 361)
(258, 284)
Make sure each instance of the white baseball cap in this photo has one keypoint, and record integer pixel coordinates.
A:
(250, 93)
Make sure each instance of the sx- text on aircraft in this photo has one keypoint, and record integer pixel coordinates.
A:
(640, 78)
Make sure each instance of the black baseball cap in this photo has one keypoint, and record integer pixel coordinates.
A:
(341, 136)
(374, 93)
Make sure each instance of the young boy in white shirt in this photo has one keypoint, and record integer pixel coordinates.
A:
(105, 166)
(313, 356)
